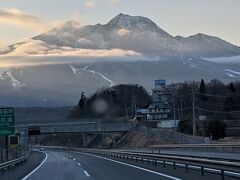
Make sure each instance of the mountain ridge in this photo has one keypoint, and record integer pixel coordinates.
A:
(136, 33)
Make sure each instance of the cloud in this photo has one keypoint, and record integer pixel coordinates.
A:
(89, 4)
(114, 1)
(19, 18)
(3, 47)
(37, 47)
(123, 32)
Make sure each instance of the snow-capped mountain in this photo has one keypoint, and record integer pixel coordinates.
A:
(137, 34)
(84, 61)
(201, 45)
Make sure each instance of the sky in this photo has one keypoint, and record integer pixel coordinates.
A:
(22, 19)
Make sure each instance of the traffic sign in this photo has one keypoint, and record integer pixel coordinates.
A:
(13, 140)
(7, 121)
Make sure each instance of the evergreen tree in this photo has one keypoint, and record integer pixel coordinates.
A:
(232, 88)
(202, 90)
(82, 101)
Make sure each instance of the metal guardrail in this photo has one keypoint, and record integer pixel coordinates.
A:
(202, 147)
(196, 145)
(14, 162)
(12, 154)
(159, 152)
(224, 168)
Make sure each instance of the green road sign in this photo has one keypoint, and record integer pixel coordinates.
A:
(7, 122)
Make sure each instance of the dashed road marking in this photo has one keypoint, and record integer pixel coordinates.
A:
(133, 166)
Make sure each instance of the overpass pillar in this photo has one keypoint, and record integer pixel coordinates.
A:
(86, 139)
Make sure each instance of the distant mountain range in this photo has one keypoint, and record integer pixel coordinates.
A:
(154, 53)
(134, 34)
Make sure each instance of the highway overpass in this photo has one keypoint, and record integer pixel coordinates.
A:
(83, 127)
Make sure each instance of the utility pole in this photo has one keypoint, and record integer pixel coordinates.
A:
(193, 104)
(126, 111)
(134, 106)
(174, 112)
(6, 146)
(181, 108)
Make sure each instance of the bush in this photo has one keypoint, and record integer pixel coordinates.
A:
(216, 129)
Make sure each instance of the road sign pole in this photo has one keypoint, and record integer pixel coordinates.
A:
(6, 147)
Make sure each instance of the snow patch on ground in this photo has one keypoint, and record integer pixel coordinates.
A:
(231, 71)
(191, 64)
(230, 75)
(85, 68)
(74, 70)
(111, 83)
(15, 82)
(234, 59)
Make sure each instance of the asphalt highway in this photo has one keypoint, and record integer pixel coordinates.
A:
(18, 172)
(67, 165)
(58, 166)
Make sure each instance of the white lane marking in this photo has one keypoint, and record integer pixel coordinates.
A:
(74, 159)
(79, 164)
(130, 165)
(27, 176)
(86, 173)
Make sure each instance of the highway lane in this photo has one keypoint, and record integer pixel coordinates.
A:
(64, 165)
(23, 169)
(68, 165)
(58, 166)
(102, 168)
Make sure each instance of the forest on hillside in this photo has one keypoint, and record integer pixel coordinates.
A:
(117, 101)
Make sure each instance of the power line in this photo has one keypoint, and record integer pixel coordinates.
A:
(217, 96)
(214, 111)
(183, 96)
(185, 108)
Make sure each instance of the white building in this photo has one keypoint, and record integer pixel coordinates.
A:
(159, 112)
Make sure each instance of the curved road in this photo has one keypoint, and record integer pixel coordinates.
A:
(68, 165)
(59, 167)
(75, 166)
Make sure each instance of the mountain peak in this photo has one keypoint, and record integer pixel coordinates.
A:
(133, 22)
(122, 15)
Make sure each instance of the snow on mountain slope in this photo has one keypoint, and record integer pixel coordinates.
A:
(201, 45)
(62, 84)
(132, 35)
(233, 72)
(75, 71)
(125, 32)
(15, 83)
(78, 72)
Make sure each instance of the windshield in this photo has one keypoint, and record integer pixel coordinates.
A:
(119, 90)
